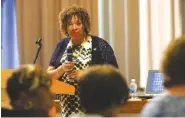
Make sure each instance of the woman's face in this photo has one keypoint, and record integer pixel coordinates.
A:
(75, 28)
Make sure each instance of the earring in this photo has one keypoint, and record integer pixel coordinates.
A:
(67, 34)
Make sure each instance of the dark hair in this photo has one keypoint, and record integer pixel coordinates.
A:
(173, 63)
(28, 78)
(74, 10)
(101, 87)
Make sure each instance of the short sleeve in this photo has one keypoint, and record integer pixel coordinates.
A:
(55, 55)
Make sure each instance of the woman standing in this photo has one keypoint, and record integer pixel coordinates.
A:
(86, 50)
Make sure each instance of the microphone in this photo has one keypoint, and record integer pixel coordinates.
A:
(39, 41)
(69, 53)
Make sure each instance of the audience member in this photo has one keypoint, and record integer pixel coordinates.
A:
(172, 103)
(29, 92)
(103, 91)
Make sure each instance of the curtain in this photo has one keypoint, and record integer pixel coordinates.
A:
(9, 41)
(139, 31)
(160, 22)
(119, 25)
(39, 19)
(183, 15)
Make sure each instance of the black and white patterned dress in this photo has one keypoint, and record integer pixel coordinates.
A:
(82, 56)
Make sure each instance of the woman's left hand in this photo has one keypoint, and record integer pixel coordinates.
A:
(73, 74)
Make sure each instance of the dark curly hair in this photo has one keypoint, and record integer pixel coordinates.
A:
(28, 79)
(66, 14)
(102, 87)
(173, 63)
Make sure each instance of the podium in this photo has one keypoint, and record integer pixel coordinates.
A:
(57, 87)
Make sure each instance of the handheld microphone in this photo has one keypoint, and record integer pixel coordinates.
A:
(69, 53)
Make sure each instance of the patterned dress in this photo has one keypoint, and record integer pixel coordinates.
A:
(82, 57)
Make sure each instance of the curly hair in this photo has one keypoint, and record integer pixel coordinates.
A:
(66, 15)
(28, 78)
(173, 63)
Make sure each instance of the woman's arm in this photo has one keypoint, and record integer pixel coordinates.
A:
(58, 72)
(55, 72)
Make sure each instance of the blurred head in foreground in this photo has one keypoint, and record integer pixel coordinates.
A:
(29, 89)
(103, 90)
(173, 63)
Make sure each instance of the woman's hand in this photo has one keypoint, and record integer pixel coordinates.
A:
(68, 69)
(68, 66)
(72, 74)
(58, 72)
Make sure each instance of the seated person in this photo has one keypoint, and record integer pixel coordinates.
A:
(172, 103)
(29, 92)
(103, 91)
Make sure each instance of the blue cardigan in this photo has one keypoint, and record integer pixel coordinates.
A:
(102, 52)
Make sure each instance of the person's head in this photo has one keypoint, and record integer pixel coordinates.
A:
(102, 90)
(29, 88)
(173, 63)
(74, 22)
